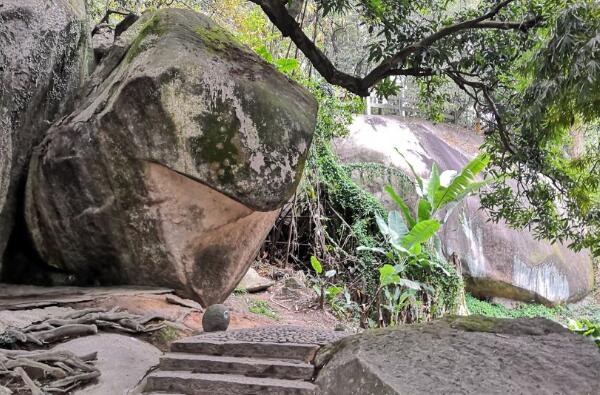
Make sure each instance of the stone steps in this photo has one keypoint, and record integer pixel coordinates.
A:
(220, 384)
(268, 360)
(293, 351)
(254, 367)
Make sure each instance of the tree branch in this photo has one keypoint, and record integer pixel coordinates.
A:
(279, 16)
(287, 25)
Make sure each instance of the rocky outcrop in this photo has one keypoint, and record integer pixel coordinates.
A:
(497, 261)
(171, 170)
(462, 355)
(44, 56)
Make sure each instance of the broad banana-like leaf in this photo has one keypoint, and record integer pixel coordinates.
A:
(463, 184)
(420, 233)
(396, 225)
(424, 210)
(410, 221)
(433, 184)
(418, 178)
(383, 226)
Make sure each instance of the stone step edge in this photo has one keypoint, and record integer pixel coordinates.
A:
(252, 367)
(295, 351)
(243, 360)
(161, 393)
(227, 379)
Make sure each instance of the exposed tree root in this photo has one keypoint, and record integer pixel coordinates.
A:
(81, 323)
(35, 369)
(44, 372)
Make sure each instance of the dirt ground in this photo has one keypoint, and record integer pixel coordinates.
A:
(279, 305)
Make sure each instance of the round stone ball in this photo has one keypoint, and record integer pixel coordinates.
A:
(215, 318)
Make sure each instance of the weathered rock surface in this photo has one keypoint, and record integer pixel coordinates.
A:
(171, 170)
(103, 38)
(463, 355)
(123, 361)
(497, 261)
(44, 55)
(254, 282)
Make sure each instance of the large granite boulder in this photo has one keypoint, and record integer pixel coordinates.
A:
(44, 56)
(497, 261)
(172, 169)
(462, 355)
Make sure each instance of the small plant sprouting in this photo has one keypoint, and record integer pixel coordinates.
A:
(262, 307)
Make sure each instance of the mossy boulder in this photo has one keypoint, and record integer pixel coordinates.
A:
(462, 355)
(171, 170)
(44, 56)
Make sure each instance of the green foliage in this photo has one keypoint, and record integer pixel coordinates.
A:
(408, 236)
(586, 328)
(577, 321)
(262, 307)
(386, 88)
(487, 309)
(316, 265)
(284, 65)
(550, 96)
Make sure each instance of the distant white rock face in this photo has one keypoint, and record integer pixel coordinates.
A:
(497, 261)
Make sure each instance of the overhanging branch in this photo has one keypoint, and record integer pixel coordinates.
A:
(287, 25)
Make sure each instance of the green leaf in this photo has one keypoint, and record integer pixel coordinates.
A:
(286, 65)
(424, 210)
(463, 184)
(372, 249)
(316, 265)
(433, 184)
(396, 225)
(264, 53)
(384, 229)
(333, 291)
(410, 221)
(418, 178)
(420, 233)
(388, 276)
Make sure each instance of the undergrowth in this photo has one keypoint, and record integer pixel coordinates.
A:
(488, 309)
(262, 307)
(331, 216)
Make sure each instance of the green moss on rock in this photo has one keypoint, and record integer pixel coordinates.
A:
(216, 38)
(154, 26)
(219, 142)
(474, 323)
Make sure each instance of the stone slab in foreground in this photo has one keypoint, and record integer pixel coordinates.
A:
(462, 355)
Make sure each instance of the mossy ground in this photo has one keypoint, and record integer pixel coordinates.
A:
(262, 307)
(562, 314)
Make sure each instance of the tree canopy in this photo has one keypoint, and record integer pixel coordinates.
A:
(529, 68)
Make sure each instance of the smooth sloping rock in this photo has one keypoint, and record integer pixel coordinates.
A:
(123, 361)
(463, 355)
(172, 168)
(44, 55)
(497, 261)
(254, 282)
